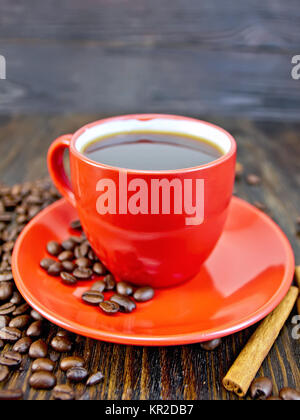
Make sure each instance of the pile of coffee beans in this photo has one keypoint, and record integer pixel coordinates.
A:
(262, 389)
(22, 330)
(74, 260)
(27, 339)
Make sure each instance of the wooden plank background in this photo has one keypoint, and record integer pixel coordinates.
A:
(192, 57)
(70, 62)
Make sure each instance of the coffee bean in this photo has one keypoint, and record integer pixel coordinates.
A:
(82, 250)
(83, 262)
(83, 273)
(260, 206)
(68, 266)
(126, 304)
(4, 372)
(36, 316)
(289, 394)
(65, 334)
(43, 364)
(6, 257)
(10, 334)
(55, 269)
(61, 344)
(16, 298)
(66, 256)
(124, 289)
(77, 374)
(7, 308)
(22, 218)
(99, 286)
(34, 199)
(6, 290)
(42, 380)
(211, 345)
(6, 276)
(71, 362)
(109, 307)
(2, 209)
(16, 190)
(261, 388)
(10, 359)
(110, 282)
(95, 379)
(68, 278)
(4, 321)
(33, 211)
(92, 297)
(35, 329)
(253, 179)
(92, 256)
(77, 252)
(69, 244)
(8, 246)
(38, 350)
(63, 393)
(20, 322)
(6, 217)
(76, 225)
(143, 294)
(239, 170)
(22, 346)
(22, 309)
(77, 239)
(54, 248)
(46, 263)
(11, 394)
(99, 269)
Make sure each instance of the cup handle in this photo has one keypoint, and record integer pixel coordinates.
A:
(57, 169)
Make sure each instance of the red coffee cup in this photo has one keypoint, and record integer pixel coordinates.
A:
(165, 242)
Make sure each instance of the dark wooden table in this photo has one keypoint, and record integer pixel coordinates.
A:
(184, 372)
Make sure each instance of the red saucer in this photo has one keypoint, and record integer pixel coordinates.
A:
(245, 278)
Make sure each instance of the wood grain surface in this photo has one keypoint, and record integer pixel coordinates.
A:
(193, 57)
(182, 372)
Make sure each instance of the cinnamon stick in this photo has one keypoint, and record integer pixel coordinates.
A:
(246, 366)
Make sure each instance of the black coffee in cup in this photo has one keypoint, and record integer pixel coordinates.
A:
(152, 151)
